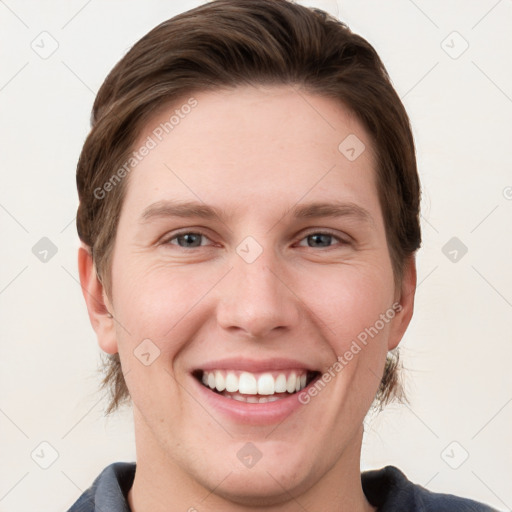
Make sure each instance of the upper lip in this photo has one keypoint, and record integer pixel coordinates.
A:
(255, 366)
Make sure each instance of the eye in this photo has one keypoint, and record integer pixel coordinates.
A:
(321, 239)
(187, 239)
(193, 239)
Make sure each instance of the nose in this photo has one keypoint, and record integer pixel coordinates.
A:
(257, 299)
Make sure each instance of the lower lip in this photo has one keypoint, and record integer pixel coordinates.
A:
(248, 413)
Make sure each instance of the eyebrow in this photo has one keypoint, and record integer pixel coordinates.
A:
(313, 210)
(336, 209)
(182, 209)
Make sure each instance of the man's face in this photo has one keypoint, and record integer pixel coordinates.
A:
(258, 301)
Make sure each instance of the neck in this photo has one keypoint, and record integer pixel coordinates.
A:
(161, 484)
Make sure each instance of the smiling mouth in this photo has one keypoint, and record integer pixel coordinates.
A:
(256, 387)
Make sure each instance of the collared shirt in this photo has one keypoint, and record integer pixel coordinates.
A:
(388, 489)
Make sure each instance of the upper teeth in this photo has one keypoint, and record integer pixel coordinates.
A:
(255, 384)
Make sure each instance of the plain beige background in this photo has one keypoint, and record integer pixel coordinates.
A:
(450, 63)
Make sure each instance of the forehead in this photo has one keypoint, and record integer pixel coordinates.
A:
(248, 146)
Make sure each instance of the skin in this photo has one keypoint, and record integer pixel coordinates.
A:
(255, 153)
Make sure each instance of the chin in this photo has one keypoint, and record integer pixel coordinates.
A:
(279, 473)
(256, 487)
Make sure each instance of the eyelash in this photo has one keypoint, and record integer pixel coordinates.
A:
(167, 241)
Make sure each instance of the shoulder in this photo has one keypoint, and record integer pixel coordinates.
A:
(108, 491)
(390, 490)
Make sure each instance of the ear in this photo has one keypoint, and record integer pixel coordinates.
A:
(98, 305)
(404, 304)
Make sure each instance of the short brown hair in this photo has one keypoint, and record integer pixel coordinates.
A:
(228, 43)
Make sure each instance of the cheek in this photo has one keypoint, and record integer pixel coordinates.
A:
(157, 302)
(153, 306)
(350, 299)
(354, 308)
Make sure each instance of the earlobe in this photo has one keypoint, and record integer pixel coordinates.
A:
(98, 307)
(405, 304)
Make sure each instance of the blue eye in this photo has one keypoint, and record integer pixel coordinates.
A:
(193, 239)
(190, 239)
(320, 240)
